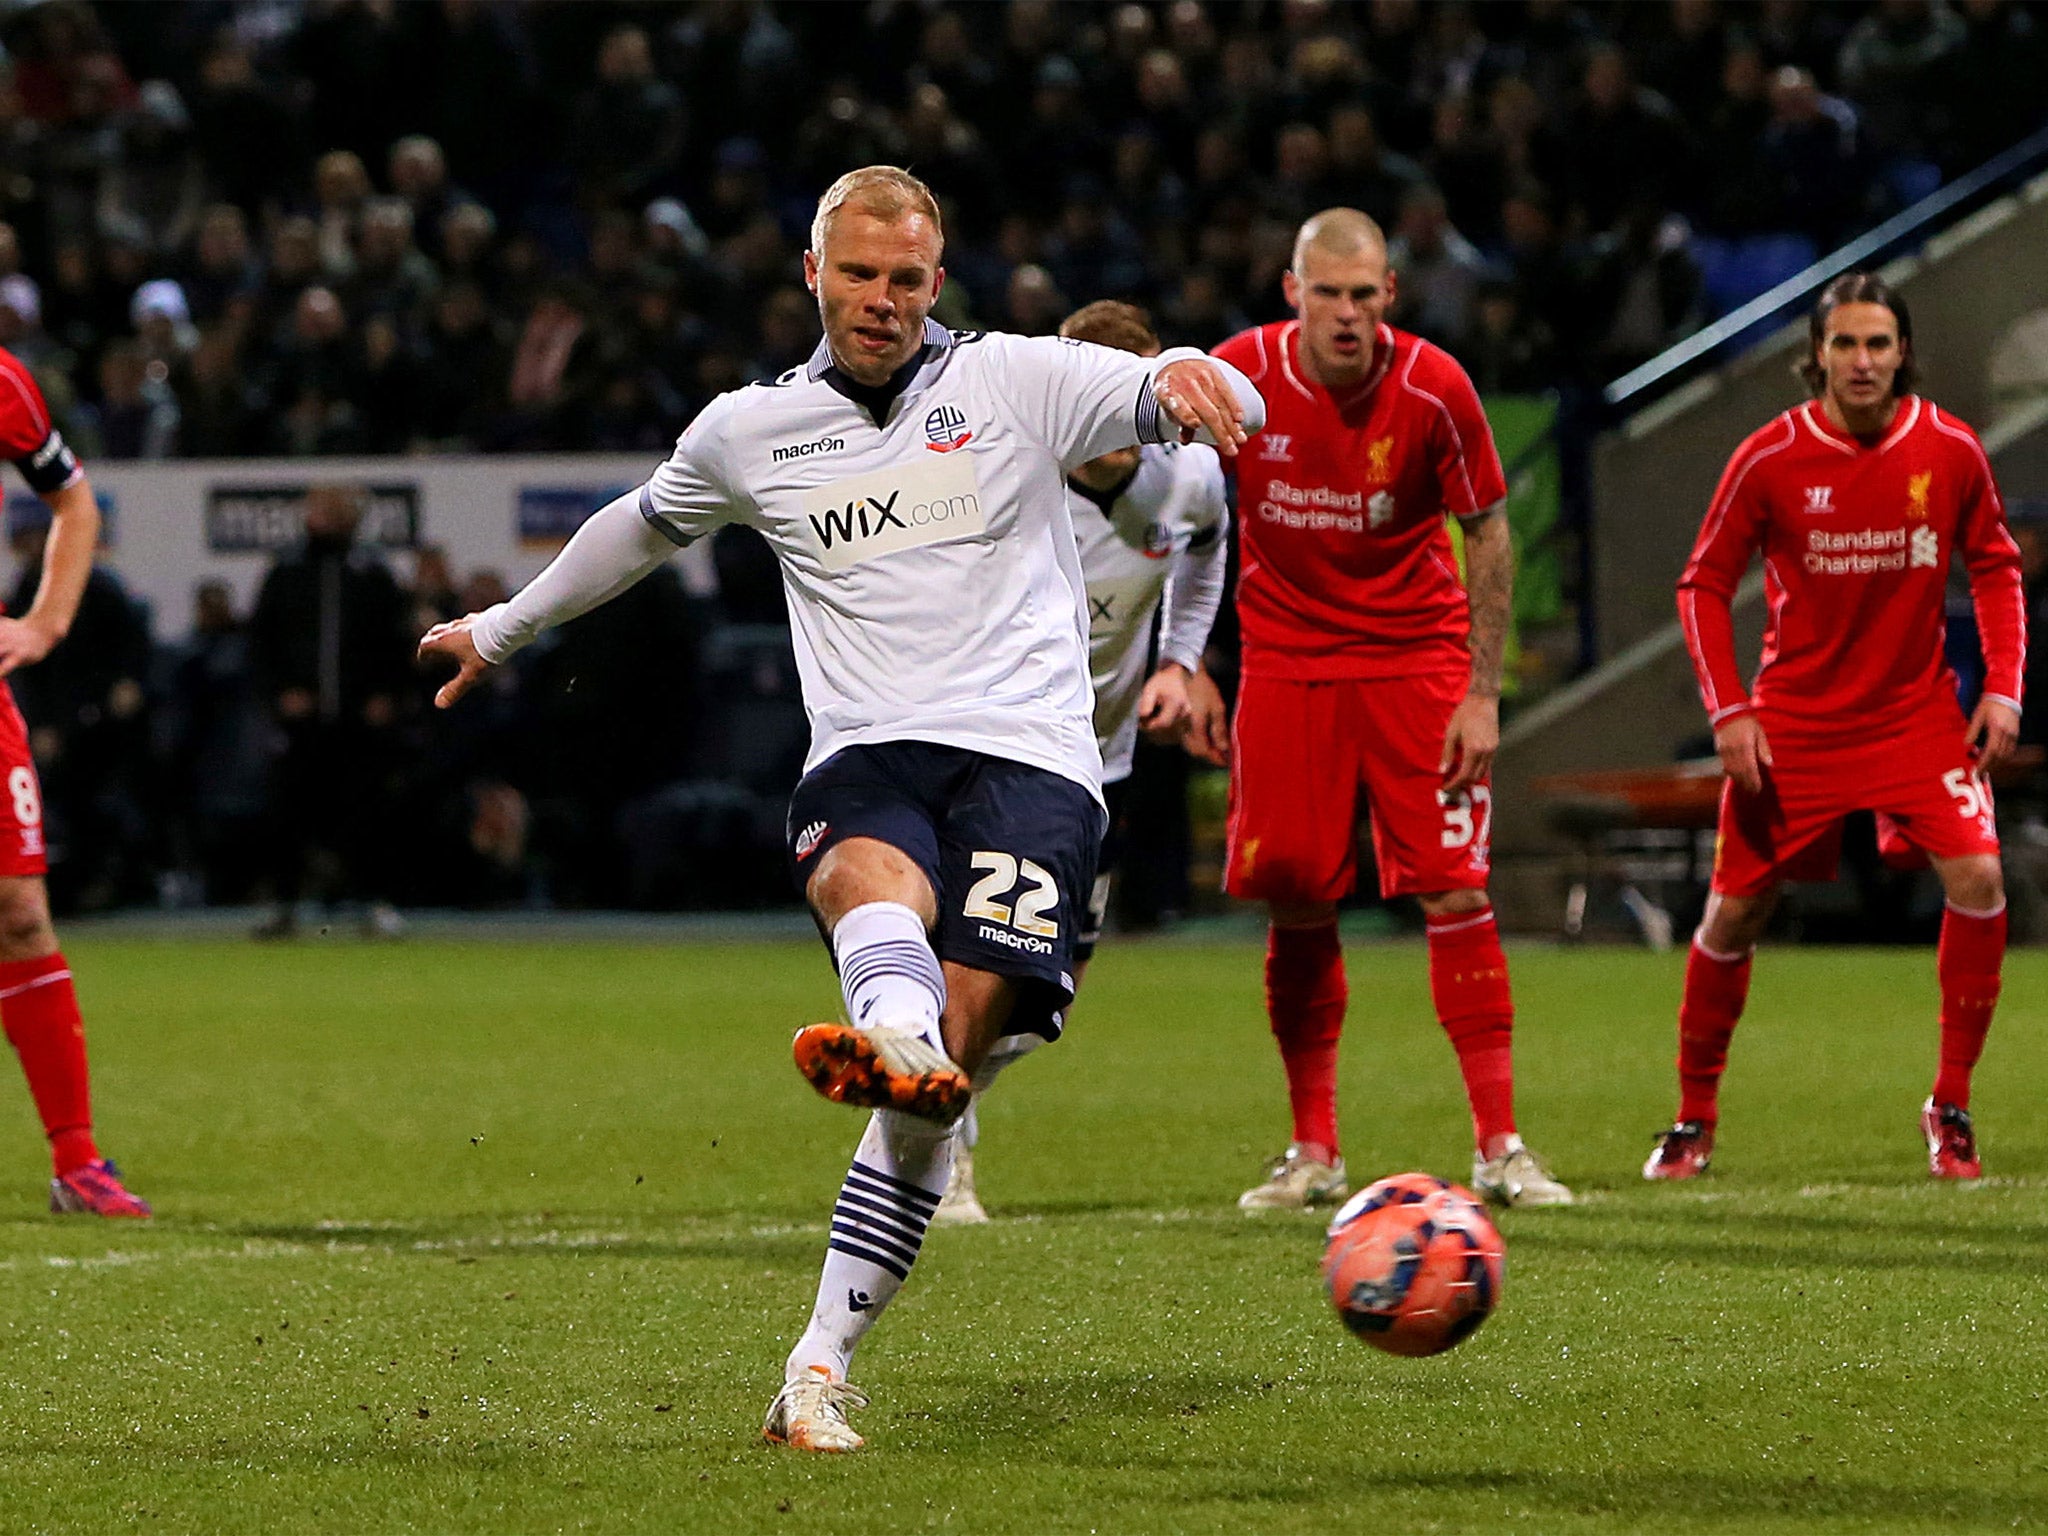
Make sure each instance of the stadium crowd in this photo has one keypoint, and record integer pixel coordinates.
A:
(320, 227)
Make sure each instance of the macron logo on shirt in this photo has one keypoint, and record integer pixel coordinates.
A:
(928, 501)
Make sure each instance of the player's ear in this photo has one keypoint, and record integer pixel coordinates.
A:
(1391, 287)
(938, 282)
(811, 272)
(1290, 288)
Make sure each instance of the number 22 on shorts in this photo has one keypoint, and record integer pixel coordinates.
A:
(1002, 875)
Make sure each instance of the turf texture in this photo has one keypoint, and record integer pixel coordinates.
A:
(513, 1237)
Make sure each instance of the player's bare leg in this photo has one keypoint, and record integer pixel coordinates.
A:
(1305, 1001)
(1468, 978)
(961, 1205)
(39, 1009)
(1969, 960)
(878, 909)
(1716, 988)
(898, 1175)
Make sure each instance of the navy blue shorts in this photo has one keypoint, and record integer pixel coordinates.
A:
(1009, 850)
(1105, 870)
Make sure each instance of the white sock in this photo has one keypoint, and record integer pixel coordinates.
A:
(1006, 1052)
(899, 1172)
(887, 969)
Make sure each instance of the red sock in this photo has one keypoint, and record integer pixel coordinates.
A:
(1972, 948)
(1716, 987)
(1305, 998)
(1468, 976)
(39, 1011)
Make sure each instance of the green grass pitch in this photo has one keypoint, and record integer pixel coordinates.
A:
(507, 1237)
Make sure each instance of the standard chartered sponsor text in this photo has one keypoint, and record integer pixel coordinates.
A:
(1313, 507)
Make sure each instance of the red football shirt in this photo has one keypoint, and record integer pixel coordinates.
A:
(1347, 569)
(1856, 541)
(27, 435)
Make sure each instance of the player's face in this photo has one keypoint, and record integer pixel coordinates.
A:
(1860, 353)
(1341, 301)
(875, 280)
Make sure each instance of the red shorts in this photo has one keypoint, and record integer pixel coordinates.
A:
(1303, 752)
(21, 796)
(1923, 787)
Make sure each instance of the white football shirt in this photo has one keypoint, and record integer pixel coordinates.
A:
(928, 555)
(1161, 538)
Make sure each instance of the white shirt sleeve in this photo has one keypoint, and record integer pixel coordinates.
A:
(615, 547)
(1194, 585)
(1083, 400)
(691, 494)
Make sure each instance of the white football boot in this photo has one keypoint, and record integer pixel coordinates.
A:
(809, 1413)
(1295, 1182)
(960, 1206)
(1517, 1178)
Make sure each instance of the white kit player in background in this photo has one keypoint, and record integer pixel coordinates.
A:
(1150, 523)
(911, 483)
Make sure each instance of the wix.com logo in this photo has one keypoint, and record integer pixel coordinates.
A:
(925, 501)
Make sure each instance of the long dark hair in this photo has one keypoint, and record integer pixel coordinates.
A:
(1858, 288)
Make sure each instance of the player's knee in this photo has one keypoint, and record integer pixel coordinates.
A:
(1453, 903)
(865, 869)
(1975, 884)
(1734, 924)
(25, 931)
(1302, 914)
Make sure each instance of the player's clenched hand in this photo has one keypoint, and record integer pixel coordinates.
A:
(1994, 731)
(1745, 753)
(1195, 395)
(22, 644)
(1163, 705)
(1208, 734)
(452, 640)
(1470, 741)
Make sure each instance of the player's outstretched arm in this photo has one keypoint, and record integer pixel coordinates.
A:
(1210, 401)
(615, 547)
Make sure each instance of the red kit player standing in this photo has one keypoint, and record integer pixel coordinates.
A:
(1858, 501)
(38, 1008)
(1371, 677)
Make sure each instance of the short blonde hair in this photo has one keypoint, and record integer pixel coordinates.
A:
(881, 191)
(1339, 232)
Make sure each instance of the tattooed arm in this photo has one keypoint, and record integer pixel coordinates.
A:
(1474, 732)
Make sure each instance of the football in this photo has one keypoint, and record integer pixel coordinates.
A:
(1414, 1265)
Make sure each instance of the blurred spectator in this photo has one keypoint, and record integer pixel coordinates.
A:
(393, 279)
(1033, 304)
(159, 178)
(1437, 270)
(1626, 143)
(217, 764)
(1363, 173)
(463, 348)
(627, 129)
(340, 188)
(1893, 68)
(331, 651)
(312, 380)
(418, 173)
(136, 416)
(1813, 148)
(163, 322)
(1742, 194)
(1505, 349)
(220, 410)
(222, 282)
(245, 131)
